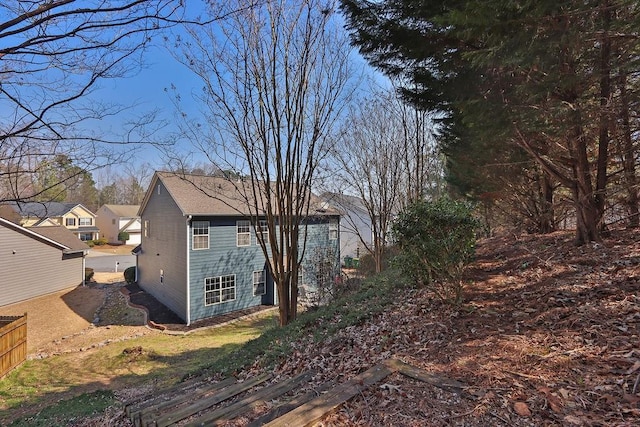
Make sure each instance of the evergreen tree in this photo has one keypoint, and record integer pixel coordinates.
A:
(537, 75)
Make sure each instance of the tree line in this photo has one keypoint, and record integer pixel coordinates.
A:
(539, 99)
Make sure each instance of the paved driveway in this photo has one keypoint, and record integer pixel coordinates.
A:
(107, 263)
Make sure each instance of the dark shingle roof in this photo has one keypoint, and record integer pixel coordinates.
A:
(57, 236)
(211, 195)
(124, 211)
(43, 209)
(345, 203)
(61, 235)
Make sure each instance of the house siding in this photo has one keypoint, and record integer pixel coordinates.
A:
(133, 229)
(168, 247)
(35, 269)
(350, 232)
(103, 222)
(164, 250)
(110, 225)
(319, 247)
(224, 258)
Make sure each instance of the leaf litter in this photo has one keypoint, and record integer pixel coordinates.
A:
(548, 335)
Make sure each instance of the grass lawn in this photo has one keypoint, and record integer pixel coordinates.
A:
(161, 359)
(57, 390)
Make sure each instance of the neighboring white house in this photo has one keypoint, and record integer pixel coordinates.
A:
(114, 219)
(73, 216)
(355, 224)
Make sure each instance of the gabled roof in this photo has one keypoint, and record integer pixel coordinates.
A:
(62, 235)
(44, 209)
(9, 213)
(345, 203)
(127, 227)
(57, 236)
(212, 195)
(45, 222)
(123, 211)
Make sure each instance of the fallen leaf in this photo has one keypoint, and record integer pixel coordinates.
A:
(571, 419)
(554, 401)
(522, 409)
(630, 398)
(634, 368)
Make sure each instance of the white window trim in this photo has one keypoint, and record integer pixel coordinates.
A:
(244, 234)
(333, 231)
(263, 276)
(85, 218)
(220, 290)
(194, 235)
(67, 220)
(262, 229)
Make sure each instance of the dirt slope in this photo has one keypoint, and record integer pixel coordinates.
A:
(548, 335)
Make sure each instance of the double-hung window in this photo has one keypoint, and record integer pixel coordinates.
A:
(70, 222)
(243, 237)
(85, 222)
(333, 231)
(219, 289)
(200, 232)
(259, 287)
(262, 230)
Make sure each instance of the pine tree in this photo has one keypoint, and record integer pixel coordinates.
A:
(537, 75)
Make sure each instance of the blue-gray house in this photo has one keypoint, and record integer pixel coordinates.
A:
(199, 253)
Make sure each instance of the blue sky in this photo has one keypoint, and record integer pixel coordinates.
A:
(146, 89)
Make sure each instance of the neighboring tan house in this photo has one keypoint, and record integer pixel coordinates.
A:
(355, 224)
(38, 261)
(73, 216)
(200, 256)
(115, 219)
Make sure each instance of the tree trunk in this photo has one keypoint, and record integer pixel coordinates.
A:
(605, 95)
(547, 222)
(379, 250)
(587, 229)
(283, 301)
(628, 158)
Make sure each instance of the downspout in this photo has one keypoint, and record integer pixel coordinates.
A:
(188, 273)
(84, 274)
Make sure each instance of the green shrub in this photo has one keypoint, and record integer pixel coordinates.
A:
(123, 236)
(130, 275)
(100, 242)
(88, 274)
(436, 241)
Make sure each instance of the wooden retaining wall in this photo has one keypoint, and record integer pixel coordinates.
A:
(13, 342)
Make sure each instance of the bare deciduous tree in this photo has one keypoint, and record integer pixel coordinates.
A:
(386, 158)
(52, 56)
(275, 79)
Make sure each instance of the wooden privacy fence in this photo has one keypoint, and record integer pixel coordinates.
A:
(13, 342)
